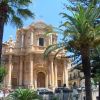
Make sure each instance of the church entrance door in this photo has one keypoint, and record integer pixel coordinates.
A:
(40, 79)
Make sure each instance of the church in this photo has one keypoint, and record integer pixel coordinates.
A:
(25, 63)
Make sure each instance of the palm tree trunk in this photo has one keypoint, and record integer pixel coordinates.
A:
(1, 36)
(87, 71)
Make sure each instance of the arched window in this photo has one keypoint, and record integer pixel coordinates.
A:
(41, 41)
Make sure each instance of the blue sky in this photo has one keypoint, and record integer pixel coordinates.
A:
(45, 10)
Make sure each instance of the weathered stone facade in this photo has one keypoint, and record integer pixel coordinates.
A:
(25, 63)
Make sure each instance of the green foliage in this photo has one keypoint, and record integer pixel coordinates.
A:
(84, 2)
(55, 47)
(24, 94)
(80, 35)
(2, 73)
(79, 28)
(14, 11)
(97, 76)
(95, 57)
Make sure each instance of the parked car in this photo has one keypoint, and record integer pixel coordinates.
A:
(44, 91)
(47, 94)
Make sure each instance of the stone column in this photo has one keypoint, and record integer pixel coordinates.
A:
(22, 41)
(65, 73)
(31, 72)
(56, 83)
(9, 72)
(35, 80)
(47, 80)
(31, 38)
(20, 71)
(49, 76)
(51, 39)
(52, 74)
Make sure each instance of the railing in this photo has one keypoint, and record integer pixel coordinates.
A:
(28, 49)
(8, 51)
(12, 50)
(35, 49)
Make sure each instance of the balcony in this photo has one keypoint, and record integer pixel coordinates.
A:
(7, 51)
(35, 49)
(25, 50)
(18, 51)
(10, 50)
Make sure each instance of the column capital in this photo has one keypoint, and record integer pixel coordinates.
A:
(10, 57)
(22, 33)
(31, 56)
(51, 58)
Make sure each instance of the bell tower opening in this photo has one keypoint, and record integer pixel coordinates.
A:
(41, 41)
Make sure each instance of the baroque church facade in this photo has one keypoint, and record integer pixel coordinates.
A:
(25, 63)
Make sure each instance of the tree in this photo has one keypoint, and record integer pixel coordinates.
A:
(95, 57)
(84, 2)
(80, 36)
(2, 73)
(97, 79)
(24, 94)
(13, 11)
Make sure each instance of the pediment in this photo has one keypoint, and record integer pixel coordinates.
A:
(39, 25)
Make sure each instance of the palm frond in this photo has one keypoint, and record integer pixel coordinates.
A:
(96, 42)
(70, 18)
(11, 10)
(24, 94)
(15, 10)
(25, 13)
(24, 2)
(17, 21)
(18, 3)
(52, 48)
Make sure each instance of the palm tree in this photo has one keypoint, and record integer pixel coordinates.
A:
(13, 11)
(24, 94)
(83, 36)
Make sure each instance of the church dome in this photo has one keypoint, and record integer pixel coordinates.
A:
(39, 25)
